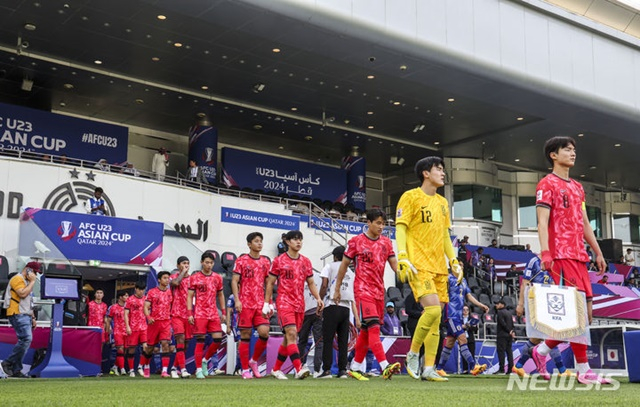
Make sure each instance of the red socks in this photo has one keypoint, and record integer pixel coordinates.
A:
(213, 348)
(375, 344)
(282, 356)
(362, 345)
(259, 348)
(294, 355)
(580, 352)
(197, 354)
(180, 359)
(243, 351)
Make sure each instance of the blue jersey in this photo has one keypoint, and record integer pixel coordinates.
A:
(231, 304)
(535, 274)
(457, 295)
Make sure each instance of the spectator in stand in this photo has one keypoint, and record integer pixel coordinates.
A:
(95, 205)
(592, 266)
(195, 174)
(391, 325)
(604, 279)
(102, 165)
(620, 260)
(476, 258)
(282, 245)
(494, 244)
(62, 159)
(130, 170)
(527, 248)
(513, 271)
(159, 163)
(629, 259)
(462, 251)
(490, 270)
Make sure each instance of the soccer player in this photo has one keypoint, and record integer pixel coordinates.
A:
(422, 236)
(563, 226)
(157, 309)
(115, 314)
(97, 313)
(205, 287)
(179, 316)
(136, 324)
(371, 251)
(291, 270)
(247, 284)
(533, 273)
(458, 292)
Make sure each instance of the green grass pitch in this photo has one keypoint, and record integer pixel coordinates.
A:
(233, 391)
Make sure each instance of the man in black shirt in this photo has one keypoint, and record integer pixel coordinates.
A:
(505, 336)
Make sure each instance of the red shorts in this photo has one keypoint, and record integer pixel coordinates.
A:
(136, 338)
(204, 326)
(119, 339)
(572, 273)
(251, 318)
(159, 331)
(289, 318)
(370, 309)
(181, 326)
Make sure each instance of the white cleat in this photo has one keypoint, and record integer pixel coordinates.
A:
(279, 375)
(303, 373)
(413, 365)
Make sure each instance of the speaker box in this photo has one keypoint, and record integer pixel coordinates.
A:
(611, 249)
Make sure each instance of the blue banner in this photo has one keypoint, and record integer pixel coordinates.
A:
(43, 132)
(344, 226)
(267, 220)
(203, 149)
(356, 181)
(90, 237)
(280, 175)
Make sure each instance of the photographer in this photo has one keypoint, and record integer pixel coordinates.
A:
(21, 317)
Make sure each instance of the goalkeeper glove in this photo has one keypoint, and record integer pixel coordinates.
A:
(406, 270)
(266, 309)
(456, 269)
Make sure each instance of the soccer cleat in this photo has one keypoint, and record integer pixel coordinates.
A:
(146, 372)
(302, 374)
(140, 371)
(247, 375)
(174, 374)
(430, 374)
(279, 375)
(413, 365)
(477, 369)
(567, 373)
(132, 374)
(343, 374)
(163, 375)
(205, 367)
(185, 374)
(123, 372)
(541, 363)
(114, 371)
(357, 375)
(519, 371)
(7, 368)
(592, 378)
(200, 375)
(218, 372)
(390, 370)
(441, 373)
(325, 375)
(253, 365)
(373, 373)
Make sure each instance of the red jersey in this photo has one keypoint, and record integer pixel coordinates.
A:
(179, 305)
(116, 313)
(137, 319)
(252, 273)
(96, 314)
(291, 274)
(370, 257)
(206, 293)
(565, 199)
(160, 303)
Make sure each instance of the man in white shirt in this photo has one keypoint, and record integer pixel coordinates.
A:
(160, 163)
(95, 204)
(336, 316)
(629, 259)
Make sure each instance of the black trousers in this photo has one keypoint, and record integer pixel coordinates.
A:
(311, 322)
(335, 319)
(503, 345)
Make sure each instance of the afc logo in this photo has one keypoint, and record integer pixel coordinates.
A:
(66, 230)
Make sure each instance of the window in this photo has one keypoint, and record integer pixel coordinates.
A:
(527, 218)
(477, 202)
(626, 228)
(595, 220)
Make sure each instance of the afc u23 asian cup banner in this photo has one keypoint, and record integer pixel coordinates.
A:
(555, 312)
(356, 181)
(90, 237)
(203, 149)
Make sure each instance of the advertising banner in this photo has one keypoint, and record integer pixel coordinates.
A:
(356, 181)
(345, 226)
(43, 132)
(258, 171)
(203, 149)
(90, 237)
(263, 219)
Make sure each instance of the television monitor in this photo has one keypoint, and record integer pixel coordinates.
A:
(60, 288)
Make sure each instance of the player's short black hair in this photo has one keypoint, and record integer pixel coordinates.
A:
(293, 234)
(121, 293)
(98, 189)
(375, 213)
(207, 255)
(98, 289)
(141, 285)
(425, 164)
(338, 253)
(162, 273)
(253, 235)
(554, 144)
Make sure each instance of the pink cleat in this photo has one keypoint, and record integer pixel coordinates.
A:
(591, 378)
(541, 363)
(163, 374)
(253, 365)
(247, 375)
(147, 372)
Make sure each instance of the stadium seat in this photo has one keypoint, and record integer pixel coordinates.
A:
(510, 302)
(4, 272)
(472, 282)
(495, 298)
(228, 260)
(406, 291)
(484, 298)
(394, 294)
